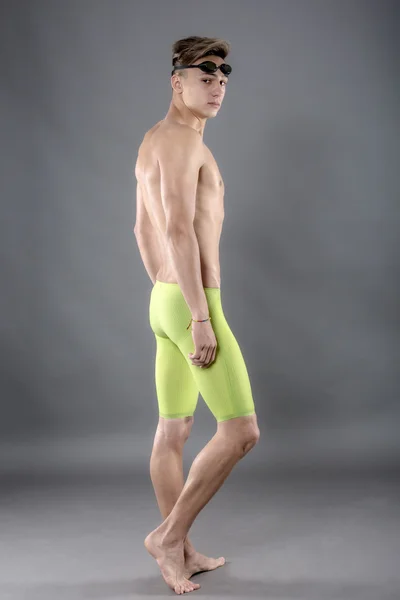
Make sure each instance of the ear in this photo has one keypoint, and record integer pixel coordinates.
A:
(176, 85)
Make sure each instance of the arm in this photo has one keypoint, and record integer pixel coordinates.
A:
(180, 157)
(146, 238)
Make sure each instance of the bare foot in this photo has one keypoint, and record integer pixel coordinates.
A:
(196, 562)
(171, 561)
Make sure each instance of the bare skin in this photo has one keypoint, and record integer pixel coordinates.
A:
(180, 212)
(208, 192)
(166, 470)
(233, 439)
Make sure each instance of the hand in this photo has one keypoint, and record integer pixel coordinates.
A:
(205, 344)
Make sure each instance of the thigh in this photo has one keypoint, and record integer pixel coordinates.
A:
(177, 391)
(225, 385)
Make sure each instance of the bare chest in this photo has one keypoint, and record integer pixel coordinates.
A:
(210, 189)
(209, 195)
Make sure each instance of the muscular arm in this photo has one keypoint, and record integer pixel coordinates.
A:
(146, 238)
(180, 158)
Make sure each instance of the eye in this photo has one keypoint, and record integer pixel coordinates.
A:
(224, 82)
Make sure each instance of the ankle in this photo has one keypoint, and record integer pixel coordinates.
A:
(172, 538)
(189, 550)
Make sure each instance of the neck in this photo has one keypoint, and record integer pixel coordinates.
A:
(180, 113)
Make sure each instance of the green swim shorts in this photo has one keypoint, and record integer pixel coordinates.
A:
(224, 385)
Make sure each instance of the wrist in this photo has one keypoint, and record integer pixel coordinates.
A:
(200, 321)
(200, 316)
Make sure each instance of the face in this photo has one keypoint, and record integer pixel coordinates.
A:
(203, 92)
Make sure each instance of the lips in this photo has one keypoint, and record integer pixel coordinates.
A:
(214, 104)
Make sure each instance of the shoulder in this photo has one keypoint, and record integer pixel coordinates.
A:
(180, 132)
(176, 140)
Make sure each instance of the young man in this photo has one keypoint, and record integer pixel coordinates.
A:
(179, 215)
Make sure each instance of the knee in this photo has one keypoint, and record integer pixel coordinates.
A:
(173, 433)
(243, 434)
(250, 438)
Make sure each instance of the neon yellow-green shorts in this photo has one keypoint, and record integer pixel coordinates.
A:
(224, 385)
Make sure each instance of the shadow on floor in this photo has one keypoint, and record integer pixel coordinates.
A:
(216, 584)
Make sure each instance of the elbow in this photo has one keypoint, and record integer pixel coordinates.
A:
(139, 233)
(179, 231)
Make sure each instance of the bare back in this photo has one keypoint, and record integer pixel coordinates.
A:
(209, 209)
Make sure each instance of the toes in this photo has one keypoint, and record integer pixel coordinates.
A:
(190, 586)
(186, 586)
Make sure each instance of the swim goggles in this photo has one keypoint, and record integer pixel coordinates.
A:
(207, 66)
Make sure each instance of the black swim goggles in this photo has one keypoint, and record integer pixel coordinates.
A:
(207, 66)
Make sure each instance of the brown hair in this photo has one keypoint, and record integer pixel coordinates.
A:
(188, 50)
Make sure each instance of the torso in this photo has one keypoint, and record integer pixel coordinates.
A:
(209, 214)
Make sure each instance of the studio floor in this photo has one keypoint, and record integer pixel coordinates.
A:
(291, 537)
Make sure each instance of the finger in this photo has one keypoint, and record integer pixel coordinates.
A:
(207, 361)
(214, 354)
(199, 363)
(204, 361)
(198, 358)
(208, 357)
(195, 359)
(204, 353)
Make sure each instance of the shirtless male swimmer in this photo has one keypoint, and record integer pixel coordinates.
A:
(179, 215)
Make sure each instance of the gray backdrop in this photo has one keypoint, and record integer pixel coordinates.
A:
(307, 142)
